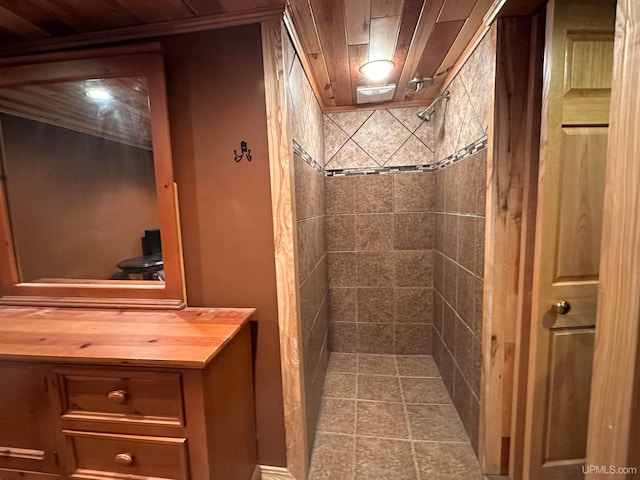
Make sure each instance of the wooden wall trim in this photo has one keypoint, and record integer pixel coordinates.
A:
(171, 27)
(527, 244)
(507, 150)
(285, 243)
(615, 384)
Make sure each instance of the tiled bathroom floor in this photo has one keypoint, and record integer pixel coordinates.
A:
(389, 417)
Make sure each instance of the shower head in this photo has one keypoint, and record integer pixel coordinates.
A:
(425, 115)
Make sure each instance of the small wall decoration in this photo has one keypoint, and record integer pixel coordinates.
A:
(244, 151)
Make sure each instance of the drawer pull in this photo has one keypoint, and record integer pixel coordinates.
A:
(118, 396)
(124, 459)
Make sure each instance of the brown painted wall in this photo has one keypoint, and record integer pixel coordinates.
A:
(216, 99)
(71, 198)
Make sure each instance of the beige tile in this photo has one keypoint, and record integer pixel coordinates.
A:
(413, 231)
(450, 282)
(411, 153)
(477, 76)
(379, 459)
(479, 247)
(341, 233)
(408, 117)
(417, 366)
(350, 122)
(381, 135)
(374, 232)
(311, 246)
(412, 305)
(333, 457)
(439, 423)
(425, 390)
(413, 339)
(375, 269)
(340, 195)
(413, 268)
(413, 192)
(439, 191)
(438, 272)
(375, 305)
(379, 387)
(426, 132)
(471, 130)
(466, 242)
(377, 365)
(344, 337)
(451, 188)
(479, 162)
(342, 269)
(342, 305)
(337, 415)
(334, 138)
(351, 155)
(375, 338)
(465, 295)
(476, 326)
(449, 328)
(343, 362)
(446, 461)
(462, 399)
(380, 419)
(438, 304)
(438, 232)
(373, 193)
(339, 385)
(451, 223)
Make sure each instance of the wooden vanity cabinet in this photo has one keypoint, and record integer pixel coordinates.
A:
(177, 406)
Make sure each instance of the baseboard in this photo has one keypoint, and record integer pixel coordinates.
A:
(275, 473)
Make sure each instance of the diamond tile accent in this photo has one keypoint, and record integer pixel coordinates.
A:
(381, 135)
(351, 156)
(408, 118)
(412, 152)
(350, 122)
(334, 139)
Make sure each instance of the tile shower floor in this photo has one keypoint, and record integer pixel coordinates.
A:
(389, 417)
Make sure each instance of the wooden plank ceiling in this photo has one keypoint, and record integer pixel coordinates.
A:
(424, 38)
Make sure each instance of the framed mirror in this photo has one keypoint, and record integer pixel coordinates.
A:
(88, 204)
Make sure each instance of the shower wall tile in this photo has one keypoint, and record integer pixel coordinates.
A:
(412, 305)
(413, 192)
(374, 232)
(351, 155)
(308, 136)
(341, 233)
(381, 147)
(411, 152)
(350, 122)
(380, 263)
(342, 305)
(334, 139)
(375, 305)
(374, 269)
(458, 283)
(340, 195)
(413, 231)
(373, 194)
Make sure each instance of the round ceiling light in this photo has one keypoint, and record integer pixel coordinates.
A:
(377, 70)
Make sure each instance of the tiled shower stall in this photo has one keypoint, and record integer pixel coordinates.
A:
(390, 227)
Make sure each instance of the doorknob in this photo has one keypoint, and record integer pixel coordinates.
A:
(562, 307)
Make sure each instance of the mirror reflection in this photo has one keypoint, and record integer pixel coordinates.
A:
(79, 177)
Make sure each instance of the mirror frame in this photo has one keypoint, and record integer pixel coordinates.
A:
(134, 60)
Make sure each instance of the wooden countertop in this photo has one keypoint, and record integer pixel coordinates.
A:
(182, 338)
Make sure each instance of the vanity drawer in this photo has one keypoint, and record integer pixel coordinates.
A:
(97, 455)
(116, 396)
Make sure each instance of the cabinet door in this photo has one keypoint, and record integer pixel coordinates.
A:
(27, 441)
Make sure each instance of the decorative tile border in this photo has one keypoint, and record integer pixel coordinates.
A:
(444, 163)
(308, 159)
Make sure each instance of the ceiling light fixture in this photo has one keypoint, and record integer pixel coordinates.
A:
(99, 93)
(377, 70)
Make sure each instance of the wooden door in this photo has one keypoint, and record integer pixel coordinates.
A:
(575, 113)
